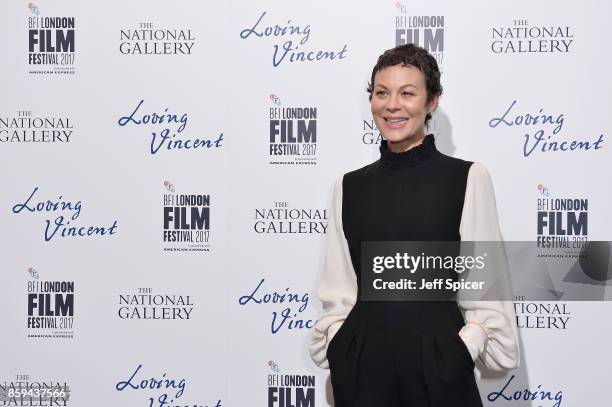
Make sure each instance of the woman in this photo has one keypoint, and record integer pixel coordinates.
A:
(408, 353)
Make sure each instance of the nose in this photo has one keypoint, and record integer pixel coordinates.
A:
(393, 103)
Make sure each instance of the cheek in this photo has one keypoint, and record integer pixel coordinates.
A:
(415, 109)
(374, 107)
(377, 105)
(419, 107)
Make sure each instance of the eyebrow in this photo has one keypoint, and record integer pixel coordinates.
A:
(403, 86)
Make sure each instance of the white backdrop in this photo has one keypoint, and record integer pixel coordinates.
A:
(232, 340)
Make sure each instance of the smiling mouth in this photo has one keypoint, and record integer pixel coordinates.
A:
(397, 120)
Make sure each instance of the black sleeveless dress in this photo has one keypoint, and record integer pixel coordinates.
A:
(392, 354)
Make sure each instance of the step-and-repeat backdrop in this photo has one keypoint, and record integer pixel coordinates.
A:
(167, 172)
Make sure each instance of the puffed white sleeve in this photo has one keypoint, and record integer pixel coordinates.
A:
(490, 332)
(337, 287)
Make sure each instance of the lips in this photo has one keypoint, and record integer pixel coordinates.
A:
(395, 122)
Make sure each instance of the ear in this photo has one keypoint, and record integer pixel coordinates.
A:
(433, 104)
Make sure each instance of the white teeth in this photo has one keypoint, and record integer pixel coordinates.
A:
(396, 120)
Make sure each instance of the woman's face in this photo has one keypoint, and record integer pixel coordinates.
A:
(399, 106)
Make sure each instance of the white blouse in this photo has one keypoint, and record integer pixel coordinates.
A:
(490, 332)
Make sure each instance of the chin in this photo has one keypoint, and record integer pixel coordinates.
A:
(399, 139)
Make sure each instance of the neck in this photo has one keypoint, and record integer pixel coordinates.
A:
(415, 153)
(405, 145)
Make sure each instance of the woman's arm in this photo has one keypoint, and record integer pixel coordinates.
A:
(338, 284)
(490, 331)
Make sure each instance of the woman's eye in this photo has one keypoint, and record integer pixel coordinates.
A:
(408, 93)
(381, 93)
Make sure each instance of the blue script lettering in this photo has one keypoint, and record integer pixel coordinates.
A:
(527, 119)
(165, 139)
(539, 141)
(293, 323)
(289, 51)
(277, 31)
(152, 383)
(526, 394)
(162, 402)
(60, 222)
(154, 118)
(304, 56)
(546, 146)
(49, 206)
(287, 317)
(275, 297)
(74, 231)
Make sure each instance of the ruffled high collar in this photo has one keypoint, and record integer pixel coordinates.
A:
(409, 158)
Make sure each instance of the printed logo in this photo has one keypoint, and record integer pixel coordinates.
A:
(543, 190)
(163, 125)
(168, 185)
(33, 273)
(290, 390)
(275, 99)
(273, 366)
(561, 223)
(293, 134)
(523, 37)
(144, 304)
(147, 39)
(295, 46)
(544, 135)
(28, 128)
(33, 8)
(171, 388)
(423, 31)
(50, 307)
(288, 314)
(539, 315)
(26, 391)
(282, 219)
(62, 226)
(186, 221)
(50, 43)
